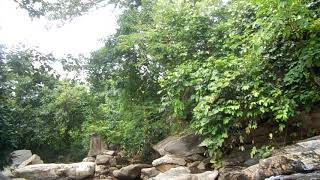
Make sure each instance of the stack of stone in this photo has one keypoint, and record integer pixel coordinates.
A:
(182, 158)
(110, 165)
(105, 164)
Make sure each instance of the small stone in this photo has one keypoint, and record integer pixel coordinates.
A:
(111, 169)
(113, 162)
(130, 172)
(101, 170)
(103, 159)
(167, 162)
(169, 159)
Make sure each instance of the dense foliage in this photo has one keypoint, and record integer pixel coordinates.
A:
(218, 68)
(222, 67)
(38, 110)
(262, 65)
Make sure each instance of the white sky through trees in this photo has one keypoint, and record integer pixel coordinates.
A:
(82, 35)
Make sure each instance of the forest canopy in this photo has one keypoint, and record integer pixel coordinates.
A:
(220, 69)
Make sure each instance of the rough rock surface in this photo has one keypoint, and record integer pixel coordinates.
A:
(302, 157)
(180, 146)
(89, 159)
(148, 173)
(183, 173)
(167, 162)
(34, 159)
(97, 145)
(101, 170)
(103, 159)
(169, 159)
(132, 171)
(172, 173)
(56, 171)
(299, 176)
(19, 156)
(231, 173)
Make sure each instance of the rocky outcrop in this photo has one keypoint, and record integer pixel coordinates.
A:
(56, 171)
(302, 157)
(181, 158)
(34, 159)
(132, 171)
(181, 146)
(19, 156)
(298, 161)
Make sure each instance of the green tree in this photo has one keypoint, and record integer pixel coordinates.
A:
(64, 109)
(39, 111)
(68, 9)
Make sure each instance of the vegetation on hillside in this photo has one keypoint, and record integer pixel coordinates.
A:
(213, 67)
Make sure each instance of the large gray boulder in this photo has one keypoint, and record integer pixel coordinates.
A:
(34, 159)
(56, 171)
(299, 176)
(103, 159)
(19, 156)
(183, 173)
(302, 157)
(180, 146)
(130, 172)
(173, 173)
